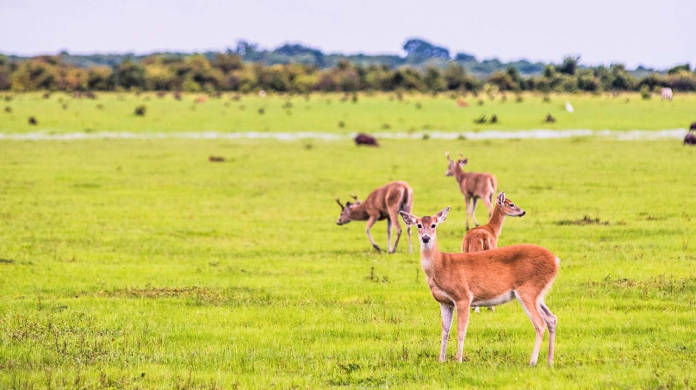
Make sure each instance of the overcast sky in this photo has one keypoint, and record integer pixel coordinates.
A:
(654, 33)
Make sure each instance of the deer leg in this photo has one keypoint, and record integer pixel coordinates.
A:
(466, 200)
(462, 323)
(551, 322)
(530, 307)
(473, 210)
(487, 200)
(371, 221)
(395, 222)
(389, 227)
(446, 312)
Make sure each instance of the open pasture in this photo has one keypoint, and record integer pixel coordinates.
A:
(139, 264)
(338, 113)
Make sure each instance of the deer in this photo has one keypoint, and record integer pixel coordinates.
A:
(474, 186)
(383, 203)
(483, 238)
(487, 278)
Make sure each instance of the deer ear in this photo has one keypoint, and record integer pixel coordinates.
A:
(442, 215)
(409, 219)
(463, 161)
(501, 198)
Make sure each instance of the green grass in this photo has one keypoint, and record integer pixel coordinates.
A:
(139, 264)
(62, 113)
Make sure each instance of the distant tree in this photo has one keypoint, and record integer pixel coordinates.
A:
(418, 50)
(464, 57)
(679, 68)
(569, 65)
(503, 81)
(621, 79)
(433, 80)
(99, 78)
(129, 75)
(227, 62)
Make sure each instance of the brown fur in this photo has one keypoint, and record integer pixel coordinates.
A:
(473, 186)
(487, 278)
(383, 203)
(483, 238)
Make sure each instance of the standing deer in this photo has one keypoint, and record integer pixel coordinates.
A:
(487, 278)
(483, 238)
(473, 186)
(383, 203)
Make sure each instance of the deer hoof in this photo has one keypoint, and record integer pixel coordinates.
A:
(376, 247)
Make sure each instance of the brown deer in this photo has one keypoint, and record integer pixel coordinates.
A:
(487, 278)
(483, 238)
(383, 203)
(474, 186)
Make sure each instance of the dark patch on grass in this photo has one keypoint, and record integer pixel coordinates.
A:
(140, 110)
(539, 188)
(659, 285)
(586, 220)
(87, 185)
(197, 295)
(6, 261)
(480, 120)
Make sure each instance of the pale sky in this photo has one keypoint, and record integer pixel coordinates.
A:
(654, 33)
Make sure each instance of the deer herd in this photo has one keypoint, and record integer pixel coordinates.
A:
(481, 274)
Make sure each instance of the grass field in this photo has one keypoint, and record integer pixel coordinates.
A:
(61, 113)
(139, 264)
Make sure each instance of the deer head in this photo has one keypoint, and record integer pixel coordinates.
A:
(344, 218)
(427, 234)
(452, 165)
(508, 207)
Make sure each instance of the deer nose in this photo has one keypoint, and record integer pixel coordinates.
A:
(426, 239)
(523, 213)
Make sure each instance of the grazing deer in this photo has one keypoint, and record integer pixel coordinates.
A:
(483, 238)
(473, 186)
(487, 278)
(383, 203)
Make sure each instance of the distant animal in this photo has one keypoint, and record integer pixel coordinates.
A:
(569, 107)
(690, 137)
(487, 278)
(550, 119)
(216, 159)
(666, 93)
(483, 238)
(693, 126)
(365, 139)
(201, 99)
(383, 203)
(33, 121)
(474, 186)
(462, 103)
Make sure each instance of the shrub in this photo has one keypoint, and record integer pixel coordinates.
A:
(645, 92)
(140, 110)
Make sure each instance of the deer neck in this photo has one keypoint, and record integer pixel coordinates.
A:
(496, 221)
(459, 174)
(359, 212)
(431, 259)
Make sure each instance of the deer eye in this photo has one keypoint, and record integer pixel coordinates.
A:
(512, 205)
(432, 226)
(420, 226)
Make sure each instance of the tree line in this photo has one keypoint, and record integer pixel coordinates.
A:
(230, 72)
